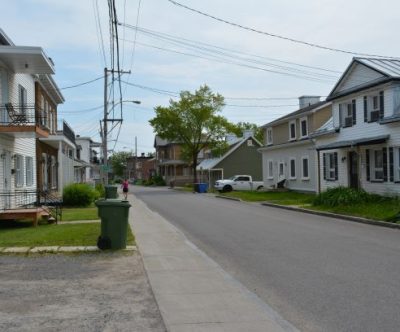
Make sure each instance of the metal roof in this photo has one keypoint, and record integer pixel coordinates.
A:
(389, 67)
(357, 142)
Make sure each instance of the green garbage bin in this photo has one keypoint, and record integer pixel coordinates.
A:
(111, 191)
(114, 223)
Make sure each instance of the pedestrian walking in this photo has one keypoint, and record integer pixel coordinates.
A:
(125, 188)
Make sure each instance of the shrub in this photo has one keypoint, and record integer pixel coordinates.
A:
(78, 194)
(156, 180)
(100, 190)
(346, 196)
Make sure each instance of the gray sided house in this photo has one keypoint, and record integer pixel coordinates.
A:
(289, 157)
(241, 158)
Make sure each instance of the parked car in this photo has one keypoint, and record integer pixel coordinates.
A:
(238, 182)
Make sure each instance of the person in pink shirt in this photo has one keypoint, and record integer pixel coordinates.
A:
(125, 188)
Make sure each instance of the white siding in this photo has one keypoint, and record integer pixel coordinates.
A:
(284, 155)
(359, 75)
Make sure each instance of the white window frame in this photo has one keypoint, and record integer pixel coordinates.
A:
(305, 178)
(374, 168)
(53, 175)
(270, 140)
(270, 169)
(19, 171)
(290, 169)
(281, 163)
(370, 105)
(348, 106)
(29, 171)
(293, 122)
(329, 169)
(304, 119)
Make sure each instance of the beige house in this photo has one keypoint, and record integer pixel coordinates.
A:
(289, 156)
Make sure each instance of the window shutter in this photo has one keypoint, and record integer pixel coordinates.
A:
(385, 170)
(365, 109)
(368, 165)
(391, 167)
(382, 105)
(340, 115)
(336, 165)
(353, 104)
(324, 164)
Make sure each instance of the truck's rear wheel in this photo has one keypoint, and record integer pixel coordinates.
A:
(227, 189)
(260, 188)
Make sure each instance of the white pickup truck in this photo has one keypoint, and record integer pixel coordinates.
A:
(238, 182)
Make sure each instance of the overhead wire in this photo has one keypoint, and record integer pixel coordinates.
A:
(237, 25)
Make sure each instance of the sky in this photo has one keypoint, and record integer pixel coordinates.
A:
(174, 49)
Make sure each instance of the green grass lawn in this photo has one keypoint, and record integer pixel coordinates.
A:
(385, 211)
(22, 234)
(284, 197)
(71, 214)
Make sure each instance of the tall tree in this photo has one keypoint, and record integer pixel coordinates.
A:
(193, 121)
(118, 162)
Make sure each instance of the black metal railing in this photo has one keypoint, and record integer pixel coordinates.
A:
(12, 114)
(26, 199)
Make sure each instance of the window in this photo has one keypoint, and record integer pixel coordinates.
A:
(304, 127)
(377, 165)
(242, 178)
(398, 164)
(270, 169)
(53, 172)
(304, 168)
(29, 171)
(269, 136)
(22, 98)
(330, 165)
(292, 168)
(347, 114)
(19, 171)
(292, 130)
(249, 142)
(281, 169)
(373, 107)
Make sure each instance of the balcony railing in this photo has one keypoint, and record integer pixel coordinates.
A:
(23, 115)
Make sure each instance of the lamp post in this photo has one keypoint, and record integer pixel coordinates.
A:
(105, 133)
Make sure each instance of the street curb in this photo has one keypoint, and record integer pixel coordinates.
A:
(56, 249)
(335, 215)
(229, 198)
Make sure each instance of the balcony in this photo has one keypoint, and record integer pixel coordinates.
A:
(25, 121)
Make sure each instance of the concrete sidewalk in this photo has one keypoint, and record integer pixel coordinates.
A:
(192, 291)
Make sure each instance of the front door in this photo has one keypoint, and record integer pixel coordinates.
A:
(353, 170)
(7, 179)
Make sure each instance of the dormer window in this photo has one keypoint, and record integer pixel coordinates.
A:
(292, 130)
(269, 136)
(373, 107)
(304, 127)
(347, 114)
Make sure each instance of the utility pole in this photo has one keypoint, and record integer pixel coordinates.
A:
(136, 157)
(105, 121)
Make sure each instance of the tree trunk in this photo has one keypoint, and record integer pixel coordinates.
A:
(194, 168)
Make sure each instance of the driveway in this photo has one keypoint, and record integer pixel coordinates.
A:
(88, 292)
(319, 273)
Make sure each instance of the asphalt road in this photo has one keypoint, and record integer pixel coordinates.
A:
(319, 273)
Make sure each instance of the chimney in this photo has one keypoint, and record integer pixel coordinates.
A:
(248, 133)
(305, 101)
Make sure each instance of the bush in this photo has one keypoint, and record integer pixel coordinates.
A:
(100, 190)
(156, 180)
(346, 196)
(79, 194)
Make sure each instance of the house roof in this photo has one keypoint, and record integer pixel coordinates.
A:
(357, 142)
(327, 128)
(389, 69)
(295, 114)
(208, 164)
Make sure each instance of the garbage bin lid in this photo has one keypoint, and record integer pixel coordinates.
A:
(112, 202)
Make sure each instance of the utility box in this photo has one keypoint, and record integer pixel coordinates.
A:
(114, 214)
(111, 191)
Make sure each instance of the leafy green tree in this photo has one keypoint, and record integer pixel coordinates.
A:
(193, 121)
(118, 162)
(242, 126)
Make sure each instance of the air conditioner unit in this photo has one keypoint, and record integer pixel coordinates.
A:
(374, 116)
(348, 122)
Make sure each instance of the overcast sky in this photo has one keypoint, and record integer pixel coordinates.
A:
(245, 64)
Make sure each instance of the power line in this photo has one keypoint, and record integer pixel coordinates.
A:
(99, 30)
(275, 35)
(84, 110)
(80, 84)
